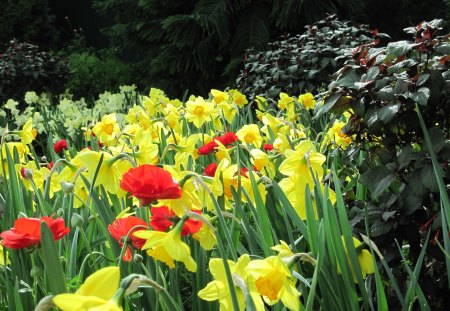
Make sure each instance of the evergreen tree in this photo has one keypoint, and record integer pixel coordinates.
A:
(196, 45)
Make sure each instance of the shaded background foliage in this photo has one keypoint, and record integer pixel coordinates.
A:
(187, 45)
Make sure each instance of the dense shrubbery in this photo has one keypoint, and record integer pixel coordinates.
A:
(92, 75)
(29, 21)
(302, 62)
(24, 67)
(197, 45)
(385, 87)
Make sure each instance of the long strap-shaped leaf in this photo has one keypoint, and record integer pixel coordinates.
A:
(52, 263)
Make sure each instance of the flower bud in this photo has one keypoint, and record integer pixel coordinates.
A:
(26, 173)
(76, 220)
(67, 187)
(138, 258)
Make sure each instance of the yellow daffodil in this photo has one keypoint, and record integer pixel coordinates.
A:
(107, 129)
(275, 282)
(307, 100)
(219, 289)
(4, 259)
(285, 101)
(206, 237)
(249, 133)
(262, 103)
(167, 247)
(365, 259)
(262, 163)
(189, 196)
(186, 149)
(275, 124)
(228, 111)
(219, 96)
(199, 111)
(335, 136)
(108, 176)
(28, 133)
(298, 161)
(294, 187)
(283, 250)
(238, 98)
(96, 293)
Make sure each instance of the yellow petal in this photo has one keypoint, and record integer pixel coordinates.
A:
(213, 291)
(103, 283)
(366, 262)
(74, 302)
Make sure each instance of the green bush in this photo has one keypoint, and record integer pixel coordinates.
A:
(199, 45)
(383, 86)
(301, 62)
(27, 20)
(92, 75)
(23, 67)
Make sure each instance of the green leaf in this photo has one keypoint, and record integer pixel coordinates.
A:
(387, 113)
(437, 139)
(377, 179)
(421, 96)
(52, 263)
(328, 103)
(422, 79)
(399, 48)
(428, 178)
(380, 227)
(443, 49)
(405, 156)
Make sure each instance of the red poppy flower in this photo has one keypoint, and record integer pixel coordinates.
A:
(227, 138)
(50, 165)
(60, 145)
(268, 147)
(150, 183)
(191, 226)
(163, 218)
(27, 232)
(210, 170)
(121, 227)
(207, 149)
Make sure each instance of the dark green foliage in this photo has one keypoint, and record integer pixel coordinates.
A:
(24, 68)
(392, 16)
(382, 86)
(197, 45)
(302, 62)
(27, 20)
(92, 75)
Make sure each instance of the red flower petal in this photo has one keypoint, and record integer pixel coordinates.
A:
(150, 183)
(162, 218)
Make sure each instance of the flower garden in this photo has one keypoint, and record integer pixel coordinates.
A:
(235, 201)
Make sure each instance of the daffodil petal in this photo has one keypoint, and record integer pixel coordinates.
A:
(102, 284)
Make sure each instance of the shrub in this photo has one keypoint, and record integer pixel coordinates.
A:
(383, 86)
(198, 45)
(24, 67)
(29, 21)
(92, 75)
(301, 62)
